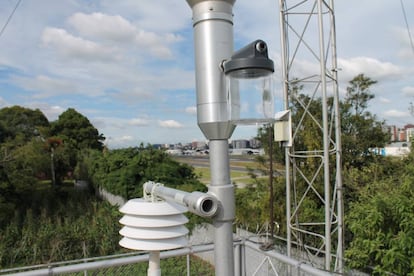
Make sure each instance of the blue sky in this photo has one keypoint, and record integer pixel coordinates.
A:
(129, 67)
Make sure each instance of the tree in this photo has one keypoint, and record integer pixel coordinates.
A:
(23, 122)
(29, 162)
(358, 94)
(77, 134)
(124, 171)
(361, 130)
(76, 130)
(308, 138)
(21, 156)
(381, 220)
(52, 144)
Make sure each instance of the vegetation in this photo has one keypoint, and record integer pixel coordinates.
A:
(378, 190)
(124, 171)
(57, 225)
(43, 218)
(361, 130)
(381, 217)
(169, 266)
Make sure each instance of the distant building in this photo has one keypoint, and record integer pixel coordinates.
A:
(409, 132)
(404, 134)
(255, 143)
(157, 146)
(240, 144)
(397, 149)
(199, 145)
(392, 130)
(174, 151)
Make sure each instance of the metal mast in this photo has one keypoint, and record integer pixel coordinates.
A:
(313, 170)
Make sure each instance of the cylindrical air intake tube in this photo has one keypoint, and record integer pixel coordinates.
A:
(202, 204)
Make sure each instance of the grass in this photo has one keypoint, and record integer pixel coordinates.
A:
(205, 175)
(236, 176)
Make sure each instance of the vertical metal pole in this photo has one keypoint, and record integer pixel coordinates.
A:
(222, 188)
(242, 250)
(299, 44)
(271, 199)
(340, 204)
(285, 76)
(154, 264)
(213, 43)
(188, 265)
(325, 140)
(237, 260)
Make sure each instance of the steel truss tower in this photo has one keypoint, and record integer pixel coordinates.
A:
(313, 164)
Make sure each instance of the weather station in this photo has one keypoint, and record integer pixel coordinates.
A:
(234, 88)
(228, 87)
(220, 73)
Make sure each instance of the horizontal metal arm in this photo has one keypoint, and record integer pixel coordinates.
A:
(202, 204)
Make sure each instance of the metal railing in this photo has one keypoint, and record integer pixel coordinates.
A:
(250, 259)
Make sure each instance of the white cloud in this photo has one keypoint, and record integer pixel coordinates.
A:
(51, 112)
(191, 110)
(113, 124)
(139, 122)
(157, 15)
(384, 100)
(76, 47)
(103, 26)
(368, 66)
(170, 124)
(303, 68)
(119, 141)
(408, 91)
(135, 94)
(117, 29)
(393, 113)
(406, 51)
(128, 58)
(349, 68)
(126, 138)
(3, 103)
(154, 43)
(46, 86)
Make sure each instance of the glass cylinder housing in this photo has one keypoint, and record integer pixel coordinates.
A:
(251, 100)
(249, 85)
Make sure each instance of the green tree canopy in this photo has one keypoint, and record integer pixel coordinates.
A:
(23, 122)
(361, 130)
(381, 218)
(358, 94)
(77, 130)
(124, 171)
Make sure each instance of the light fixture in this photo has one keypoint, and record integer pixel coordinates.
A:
(249, 85)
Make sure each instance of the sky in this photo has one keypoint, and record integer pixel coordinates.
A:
(128, 66)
